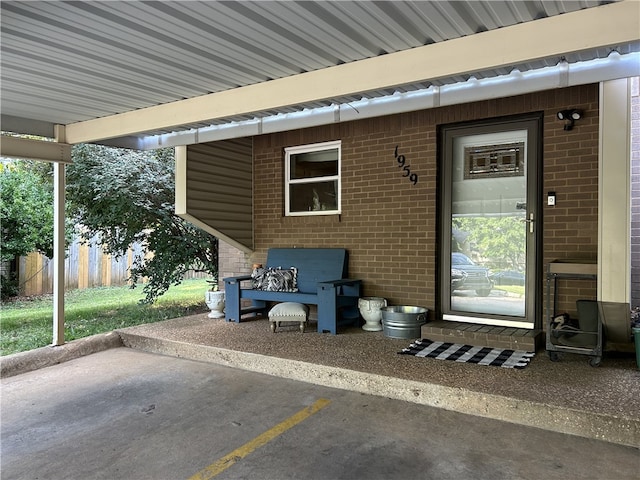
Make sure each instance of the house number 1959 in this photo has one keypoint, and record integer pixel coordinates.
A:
(413, 177)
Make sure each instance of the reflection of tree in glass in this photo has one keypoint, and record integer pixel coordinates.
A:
(499, 242)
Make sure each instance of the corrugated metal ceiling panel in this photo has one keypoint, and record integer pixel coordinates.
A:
(65, 62)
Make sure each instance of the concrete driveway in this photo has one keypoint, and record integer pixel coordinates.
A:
(125, 414)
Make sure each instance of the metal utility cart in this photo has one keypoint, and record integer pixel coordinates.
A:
(588, 338)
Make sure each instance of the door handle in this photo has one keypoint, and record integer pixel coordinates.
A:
(530, 221)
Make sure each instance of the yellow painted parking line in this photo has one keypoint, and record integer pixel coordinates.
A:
(231, 458)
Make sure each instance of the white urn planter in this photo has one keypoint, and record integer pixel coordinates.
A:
(215, 302)
(370, 310)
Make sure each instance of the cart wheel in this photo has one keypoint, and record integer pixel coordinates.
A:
(595, 361)
(554, 357)
(273, 327)
(302, 327)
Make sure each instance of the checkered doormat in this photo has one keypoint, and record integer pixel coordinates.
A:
(497, 357)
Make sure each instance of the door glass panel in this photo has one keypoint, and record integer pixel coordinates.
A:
(489, 224)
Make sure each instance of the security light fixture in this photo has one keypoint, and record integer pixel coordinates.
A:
(569, 116)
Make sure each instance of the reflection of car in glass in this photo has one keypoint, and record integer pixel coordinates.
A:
(457, 279)
(507, 277)
(477, 276)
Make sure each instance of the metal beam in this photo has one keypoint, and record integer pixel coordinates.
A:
(14, 147)
(58, 253)
(28, 126)
(59, 183)
(604, 26)
(516, 83)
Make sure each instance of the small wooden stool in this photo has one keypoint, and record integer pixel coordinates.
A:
(288, 312)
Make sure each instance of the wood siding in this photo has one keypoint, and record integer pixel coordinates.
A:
(219, 188)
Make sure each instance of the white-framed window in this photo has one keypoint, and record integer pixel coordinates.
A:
(312, 179)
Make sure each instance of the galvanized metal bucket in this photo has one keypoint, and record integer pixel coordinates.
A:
(401, 321)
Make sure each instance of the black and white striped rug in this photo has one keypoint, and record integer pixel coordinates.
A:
(497, 357)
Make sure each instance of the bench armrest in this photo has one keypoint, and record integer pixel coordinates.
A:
(345, 287)
(335, 299)
(341, 282)
(232, 280)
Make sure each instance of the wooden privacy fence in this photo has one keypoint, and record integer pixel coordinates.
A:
(86, 266)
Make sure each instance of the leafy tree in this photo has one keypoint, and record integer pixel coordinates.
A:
(26, 209)
(26, 215)
(126, 196)
(498, 239)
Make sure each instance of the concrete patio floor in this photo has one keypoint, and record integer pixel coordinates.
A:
(568, 396)
(132, 415)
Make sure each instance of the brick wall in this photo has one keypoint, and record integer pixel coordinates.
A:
(231, 262)
(389, 225)
(571, 170)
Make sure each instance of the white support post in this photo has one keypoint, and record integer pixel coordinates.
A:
(614, 193)
(58, 245)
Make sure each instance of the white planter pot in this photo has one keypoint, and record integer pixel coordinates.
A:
(215, 302)
(370, 310)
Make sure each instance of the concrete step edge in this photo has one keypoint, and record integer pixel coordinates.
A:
(609, 428)
(23, 362)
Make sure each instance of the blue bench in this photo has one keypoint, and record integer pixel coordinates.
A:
(322, 281)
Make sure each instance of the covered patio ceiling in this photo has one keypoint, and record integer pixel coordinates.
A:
(122, 73)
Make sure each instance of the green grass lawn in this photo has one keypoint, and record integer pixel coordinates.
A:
(28, 323)
(515, 289)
